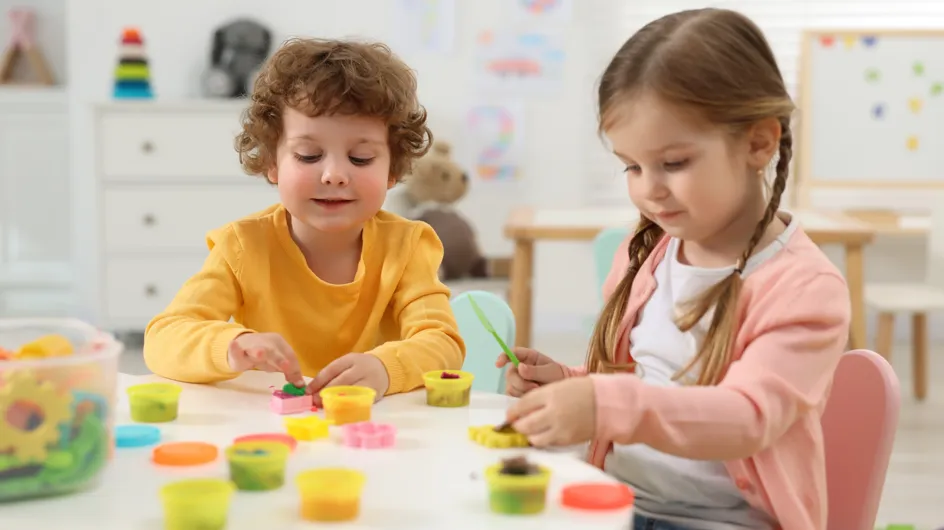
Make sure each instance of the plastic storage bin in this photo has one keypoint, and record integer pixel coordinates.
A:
(58, 380)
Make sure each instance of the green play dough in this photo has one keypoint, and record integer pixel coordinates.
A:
(293, 390)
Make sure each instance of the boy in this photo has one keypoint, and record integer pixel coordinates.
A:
(324, 284)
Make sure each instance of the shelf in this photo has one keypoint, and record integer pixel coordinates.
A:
(21, 94)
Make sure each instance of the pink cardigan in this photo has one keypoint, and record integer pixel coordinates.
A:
(763, 419)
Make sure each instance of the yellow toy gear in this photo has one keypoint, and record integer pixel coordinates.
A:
(29, 445)
(502, 438)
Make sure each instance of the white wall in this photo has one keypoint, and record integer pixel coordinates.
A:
(561, 138)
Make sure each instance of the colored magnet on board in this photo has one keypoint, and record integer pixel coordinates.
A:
(869, 40)
(878, 111)
(136, 435)
(912, 143)
(915, 105)
(918, 68)
(849, 41)
(827, 40)
(872, 75)
(937, 89)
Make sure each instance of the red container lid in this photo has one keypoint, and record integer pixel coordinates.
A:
(597, 496)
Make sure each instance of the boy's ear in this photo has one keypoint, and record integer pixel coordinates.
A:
(272, 175)
(764, 142)
(391, 182)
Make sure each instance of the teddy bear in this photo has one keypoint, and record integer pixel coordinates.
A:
(428, 194)
(239, 49)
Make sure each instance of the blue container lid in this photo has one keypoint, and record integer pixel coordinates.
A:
(136, 435)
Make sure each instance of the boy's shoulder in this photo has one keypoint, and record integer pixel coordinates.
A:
(395, 231)
(252, 227)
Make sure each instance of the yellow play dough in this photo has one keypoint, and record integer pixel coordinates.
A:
(487, 436)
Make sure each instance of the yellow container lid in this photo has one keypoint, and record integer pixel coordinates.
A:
(498, 480)
(353, 394)
(434, 379)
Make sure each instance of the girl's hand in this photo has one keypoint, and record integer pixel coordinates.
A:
(559, 414)
(358, 369)
(535, 369)
(267, 352)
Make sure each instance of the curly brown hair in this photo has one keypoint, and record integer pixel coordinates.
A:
(325, 77)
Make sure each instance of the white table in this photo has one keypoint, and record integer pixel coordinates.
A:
(425, 482)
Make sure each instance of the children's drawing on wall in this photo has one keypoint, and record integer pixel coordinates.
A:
(520, 62)
(557, 11)
(495, 140)
(425, 26)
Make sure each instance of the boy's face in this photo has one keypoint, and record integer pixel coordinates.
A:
(333, 172)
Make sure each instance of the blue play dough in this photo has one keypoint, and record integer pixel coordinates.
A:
(136, 435)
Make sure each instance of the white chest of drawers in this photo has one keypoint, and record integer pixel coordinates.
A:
(165, 173)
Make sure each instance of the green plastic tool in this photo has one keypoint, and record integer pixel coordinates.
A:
(488, 326)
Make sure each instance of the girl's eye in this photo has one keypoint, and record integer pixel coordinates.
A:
(360, 161)
(308, 159)
(632, 168)
(675, 166)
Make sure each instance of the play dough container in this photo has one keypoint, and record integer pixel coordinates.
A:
(330, 494)
(257, 466)
(517, 494)
(197, 503)
(154, 402)
(57, 396)
(448, 388)
(347, 404)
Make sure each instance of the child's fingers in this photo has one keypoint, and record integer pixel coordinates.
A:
(528, 404)
(542, 373)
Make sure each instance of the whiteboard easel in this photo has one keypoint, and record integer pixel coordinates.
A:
(872, 110)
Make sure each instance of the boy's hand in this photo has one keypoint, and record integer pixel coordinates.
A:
(559, 414)
(535, 369)
(357, 369)
(267, 352)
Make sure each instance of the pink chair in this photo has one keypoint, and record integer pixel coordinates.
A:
(859, 426)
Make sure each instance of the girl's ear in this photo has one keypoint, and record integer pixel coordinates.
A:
(764, 143)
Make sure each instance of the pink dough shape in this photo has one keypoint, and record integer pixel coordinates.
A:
(282, 403)
(369, 435)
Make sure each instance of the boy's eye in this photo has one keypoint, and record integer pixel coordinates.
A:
(360, 161)
(308, 159)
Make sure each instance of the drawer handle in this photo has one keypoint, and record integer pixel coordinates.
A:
(149, 220)
(147, 147)
(150, 291)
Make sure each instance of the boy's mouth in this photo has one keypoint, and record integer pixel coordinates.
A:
(331, 202)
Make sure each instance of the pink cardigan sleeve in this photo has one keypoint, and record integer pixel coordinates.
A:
(786, 369)
(617, 271)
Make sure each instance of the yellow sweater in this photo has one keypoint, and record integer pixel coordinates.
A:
(396, 308)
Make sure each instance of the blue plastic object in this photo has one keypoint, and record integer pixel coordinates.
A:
(605, 245)
(481, 348)
(136, 435)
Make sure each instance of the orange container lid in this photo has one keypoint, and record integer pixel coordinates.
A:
(597, 496)
(184, 454)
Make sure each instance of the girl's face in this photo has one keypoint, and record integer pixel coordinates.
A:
(333, 172)
(693, 179)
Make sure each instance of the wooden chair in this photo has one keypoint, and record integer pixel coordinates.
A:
(859, 425)
(916, 298)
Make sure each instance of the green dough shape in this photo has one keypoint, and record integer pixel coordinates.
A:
(293, 390)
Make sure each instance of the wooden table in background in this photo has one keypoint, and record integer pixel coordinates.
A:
(525, 226)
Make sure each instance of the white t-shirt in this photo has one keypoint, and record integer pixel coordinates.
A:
(695, 493)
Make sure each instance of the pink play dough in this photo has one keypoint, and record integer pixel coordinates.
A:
(369, 435)
(282, 403)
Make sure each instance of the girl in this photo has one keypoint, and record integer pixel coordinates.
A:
(714, 354)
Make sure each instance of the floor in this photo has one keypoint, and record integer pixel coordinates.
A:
(914, 488)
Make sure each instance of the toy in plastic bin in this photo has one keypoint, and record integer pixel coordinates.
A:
(290, 400)
(330, 494)
(448, 388)
(56, 434)
(197, 503)
(154, 402)
(347, 404)
(517, 487)
(257, 466)
(307, 428)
